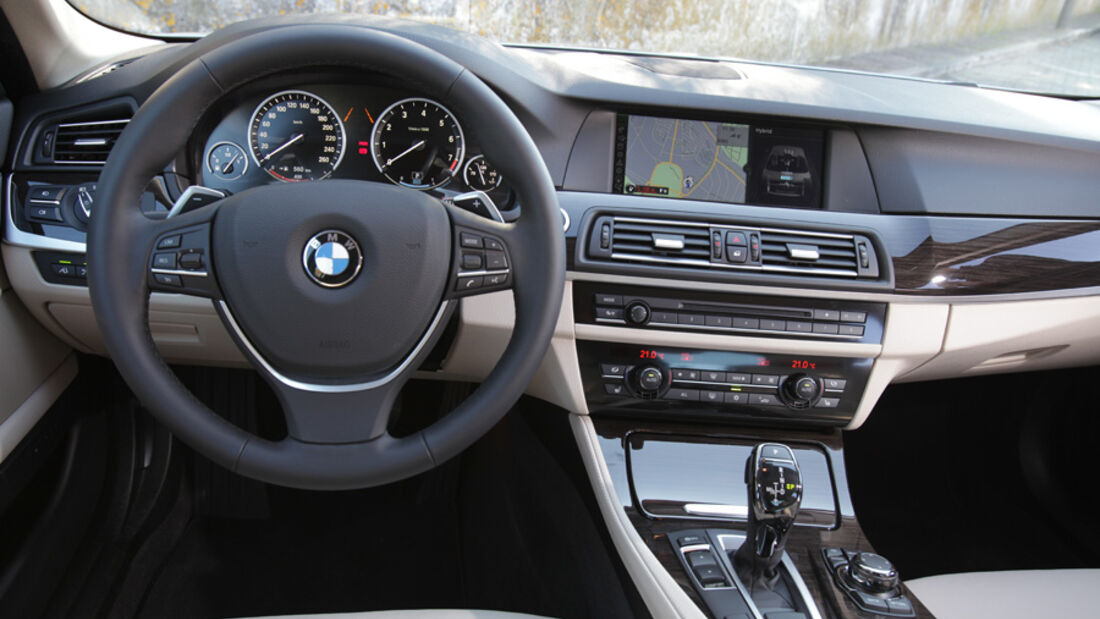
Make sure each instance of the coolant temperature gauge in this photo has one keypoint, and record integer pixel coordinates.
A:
(479, 175)
(227, 161)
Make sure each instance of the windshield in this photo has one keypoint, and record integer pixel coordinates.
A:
(1042, 46)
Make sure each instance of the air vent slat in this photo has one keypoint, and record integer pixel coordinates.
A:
(86, 143)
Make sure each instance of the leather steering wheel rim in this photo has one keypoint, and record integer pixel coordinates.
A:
(121, 239)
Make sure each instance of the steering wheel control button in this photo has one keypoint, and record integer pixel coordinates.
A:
(471, 240)
(191, 259)
(164, 261)
(495, 260)
(472, 261)
(496, 279)
(469, 283)
(493, 244)
(166, 279)
(169, 242)
(332, 258)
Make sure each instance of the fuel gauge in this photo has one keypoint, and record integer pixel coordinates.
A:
(227, 161)
(479, 175)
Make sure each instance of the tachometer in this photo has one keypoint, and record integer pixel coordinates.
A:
(296, 136)
(417, 143)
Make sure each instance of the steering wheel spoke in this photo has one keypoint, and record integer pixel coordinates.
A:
(180, 260)
(483, 251)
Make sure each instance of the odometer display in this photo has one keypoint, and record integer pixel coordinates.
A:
(296, 136)
(417, 143)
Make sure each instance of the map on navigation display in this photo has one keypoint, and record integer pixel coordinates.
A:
(694, 159)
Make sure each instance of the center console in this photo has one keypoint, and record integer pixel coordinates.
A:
(804, 388)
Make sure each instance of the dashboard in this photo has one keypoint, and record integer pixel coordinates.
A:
(852, 228)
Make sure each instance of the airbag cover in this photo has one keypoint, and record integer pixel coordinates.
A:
(310, 332)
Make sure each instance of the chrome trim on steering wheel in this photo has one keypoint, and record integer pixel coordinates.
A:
(223, 308)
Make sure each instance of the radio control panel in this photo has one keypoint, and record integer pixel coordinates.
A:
(721, 385)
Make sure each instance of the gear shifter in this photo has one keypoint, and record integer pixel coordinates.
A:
(775, 494)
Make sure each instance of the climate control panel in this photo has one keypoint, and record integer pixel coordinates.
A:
(632, 379)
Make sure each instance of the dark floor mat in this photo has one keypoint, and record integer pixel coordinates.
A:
(939, 480)
(325, 553)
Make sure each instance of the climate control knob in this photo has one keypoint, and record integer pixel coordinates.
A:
(801, 391)
(649, 380)
(637, 313)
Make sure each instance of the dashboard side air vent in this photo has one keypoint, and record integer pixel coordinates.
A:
(86, 143)
(728, 247)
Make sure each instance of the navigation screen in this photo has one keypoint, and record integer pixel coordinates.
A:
(718, 161)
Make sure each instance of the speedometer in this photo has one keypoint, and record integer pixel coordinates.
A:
(417, 143)
(296, 136)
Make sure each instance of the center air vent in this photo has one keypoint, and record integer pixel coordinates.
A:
(730, 246)
(86, 143)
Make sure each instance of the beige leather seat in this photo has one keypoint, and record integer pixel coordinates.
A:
(416, 614)
(1008, 595)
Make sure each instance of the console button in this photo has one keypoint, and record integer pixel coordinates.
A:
(63, 270)
(716, 245)
(164, 261)
(746, 323)
(614, 388)
(736, 237)
(773, 325)
(683, 395)
(718, 321)
(637, 313)
(871, 602)
(609, 299)
(765, 379)
(853, 316)
(737, 253)
(612, 369)
(738, 378)
(900, 605)
(827, 403)
(835, 384)
(663, 317)
(39, 212)
(825, 327)
(851, 330)
(701, 558)
(799, 326)
(713, 377)
(710, 396)
(736, 397)
(609, 313)
(710, 576)
(45, 194)
(691, 319)
(650, 379)
(682, 374)
(763, 399)
(691, 540)
(826, 314)
(754, 247)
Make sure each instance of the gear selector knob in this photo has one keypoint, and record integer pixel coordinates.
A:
(774, 485)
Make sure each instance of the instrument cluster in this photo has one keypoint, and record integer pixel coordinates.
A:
(347, 131)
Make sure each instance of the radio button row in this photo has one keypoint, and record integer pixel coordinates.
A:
(851, 330)
(609, 299)
(719, 321)
(799, 326)
(609, 313)
(746, 323)
(824, 314)
(663, 317)
(853, 316)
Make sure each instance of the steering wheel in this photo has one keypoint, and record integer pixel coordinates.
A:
(334, 290)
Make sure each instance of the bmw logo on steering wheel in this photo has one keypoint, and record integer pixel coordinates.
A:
(332, 258)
